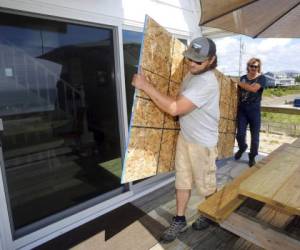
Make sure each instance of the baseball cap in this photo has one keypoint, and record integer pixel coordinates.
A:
(200, 49)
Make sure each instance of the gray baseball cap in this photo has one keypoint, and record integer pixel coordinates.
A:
(200, 49)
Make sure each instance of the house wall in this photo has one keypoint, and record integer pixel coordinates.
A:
(180, 17)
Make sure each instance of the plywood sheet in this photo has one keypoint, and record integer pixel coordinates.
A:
(144, 147)
(159, 82)
(177, 61)
(167, 150)
(147, 114)
(277, 183)
(153, 134)
(228, 111)
(158, 46)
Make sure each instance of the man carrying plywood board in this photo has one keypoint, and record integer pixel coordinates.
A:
(151, 145)
(198, 109)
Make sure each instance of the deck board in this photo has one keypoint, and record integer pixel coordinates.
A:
(259, 232)
(268, 215)
(276, 183)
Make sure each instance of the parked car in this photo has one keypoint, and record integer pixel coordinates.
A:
(297, 102)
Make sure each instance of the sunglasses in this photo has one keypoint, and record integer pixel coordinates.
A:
(198, 63)
(253, 66)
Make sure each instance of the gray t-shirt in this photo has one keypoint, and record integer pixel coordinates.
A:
(200, 126)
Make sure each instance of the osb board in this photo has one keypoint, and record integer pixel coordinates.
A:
(220, 205)
(228, 111)
(153, 134)
(277, 184)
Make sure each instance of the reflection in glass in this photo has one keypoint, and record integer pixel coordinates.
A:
(132, 42)
(58, 103)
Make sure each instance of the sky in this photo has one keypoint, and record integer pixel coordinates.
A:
(277, 54)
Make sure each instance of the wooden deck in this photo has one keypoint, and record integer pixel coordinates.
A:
(138, 226)
(274, 183)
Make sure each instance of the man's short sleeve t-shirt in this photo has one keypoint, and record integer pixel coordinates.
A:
(200, 126)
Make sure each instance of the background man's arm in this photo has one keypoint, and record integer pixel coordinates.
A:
(250, 87)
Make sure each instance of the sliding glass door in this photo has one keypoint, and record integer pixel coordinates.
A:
(58, 103)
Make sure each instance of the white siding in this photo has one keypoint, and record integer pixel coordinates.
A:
(178, 16)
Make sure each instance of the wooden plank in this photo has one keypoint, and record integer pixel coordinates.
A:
(289, 193)
(276, 183)
(258, 233)
(219, 206)
(267, 215)
(290, 111)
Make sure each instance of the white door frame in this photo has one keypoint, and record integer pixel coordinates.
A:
(6, 241)
(57, 228)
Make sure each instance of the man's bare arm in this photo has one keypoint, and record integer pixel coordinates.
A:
(173, 106)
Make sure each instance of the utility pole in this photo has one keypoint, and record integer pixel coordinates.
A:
(241, 56)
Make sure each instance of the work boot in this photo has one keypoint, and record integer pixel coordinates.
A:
(251, 160)
(176, 228)
(239, 153)
(202, 223)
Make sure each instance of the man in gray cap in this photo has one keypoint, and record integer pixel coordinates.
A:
(198, 109)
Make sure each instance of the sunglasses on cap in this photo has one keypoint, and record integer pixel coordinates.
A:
(253, 66)
(198, 63)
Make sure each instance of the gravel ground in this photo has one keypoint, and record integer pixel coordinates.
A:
(269, 142)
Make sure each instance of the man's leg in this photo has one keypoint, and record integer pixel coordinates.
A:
(178, 224)
(183, 184)
(182, 199)
(242, 123)
(204, 172)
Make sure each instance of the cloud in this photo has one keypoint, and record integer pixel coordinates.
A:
(228, 54)
(277, 54)
(269, 44)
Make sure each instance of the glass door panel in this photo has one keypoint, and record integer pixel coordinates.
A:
(58, 103)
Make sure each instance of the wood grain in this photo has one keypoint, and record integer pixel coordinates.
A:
(277, 183)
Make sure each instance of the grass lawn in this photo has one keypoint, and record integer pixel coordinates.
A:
(281, 91)
(280, 118)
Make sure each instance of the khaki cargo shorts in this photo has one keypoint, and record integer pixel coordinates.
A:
(195, 164)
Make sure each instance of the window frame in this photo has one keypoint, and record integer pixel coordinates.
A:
(73, 217)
